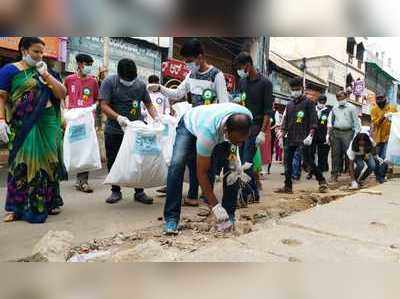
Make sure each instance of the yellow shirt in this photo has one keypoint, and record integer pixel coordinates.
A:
(380, 124)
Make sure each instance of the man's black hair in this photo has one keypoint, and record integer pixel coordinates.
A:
(239, 123)
(242, 59)
(296, 82)
(369, 147)
(322, 99)
(192, 48)
(153, 79)
(84, 58)
(127, 69)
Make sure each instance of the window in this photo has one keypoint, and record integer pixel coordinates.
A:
(360, 52)
(359, 64)
(351, 42)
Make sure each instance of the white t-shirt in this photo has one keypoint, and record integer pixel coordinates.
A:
(160, 102)
(352, 154)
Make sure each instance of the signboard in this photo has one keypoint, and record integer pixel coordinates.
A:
(176, 69)
(52, 47)
(358, 88)
(148, 61)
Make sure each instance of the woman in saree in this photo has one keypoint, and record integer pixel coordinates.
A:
(30, 123)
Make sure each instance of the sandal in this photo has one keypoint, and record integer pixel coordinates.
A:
(10, 217)
(55, 211)
(84, 188)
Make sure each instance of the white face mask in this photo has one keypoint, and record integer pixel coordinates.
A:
(192, 66)
(296, 93)
(321, 106)
(86, 70)
(29, 60)
(242, 74)
(126, 83)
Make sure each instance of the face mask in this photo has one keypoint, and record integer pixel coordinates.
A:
(296, 93)
(321, 106)
(86, 70)
(29, 60)
(126, 83)
(192, 67)
(242, 74)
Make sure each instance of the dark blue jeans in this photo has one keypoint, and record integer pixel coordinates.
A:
(297, 159)
(247, 152)
(185, 152)
(381, 150)
(363, 168)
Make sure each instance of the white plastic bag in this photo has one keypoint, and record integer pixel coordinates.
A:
(181, 108)
(168, 136)
(81, 147)
(140, 162)
(393, 148)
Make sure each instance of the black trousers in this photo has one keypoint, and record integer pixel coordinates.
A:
(308, 158)
(320, 150)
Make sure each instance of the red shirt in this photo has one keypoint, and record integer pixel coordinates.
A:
(82, 92)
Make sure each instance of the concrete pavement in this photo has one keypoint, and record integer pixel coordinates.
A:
(361, 227)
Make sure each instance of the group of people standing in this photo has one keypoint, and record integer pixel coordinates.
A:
(211, 136)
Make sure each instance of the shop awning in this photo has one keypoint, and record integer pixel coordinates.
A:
(379, 70)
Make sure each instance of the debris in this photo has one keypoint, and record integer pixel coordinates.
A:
(94, 256)
(377, 224)
(372, 192)
(294, 260)
(54, 246)
(245, 216)
(291, 242)
(160, 218)
(394, 246)
(243, 227)
(194, 218)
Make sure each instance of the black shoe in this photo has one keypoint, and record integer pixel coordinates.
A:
(143, 198)
(284, 189)
(309, 176)
(296, 178)
(114, 197)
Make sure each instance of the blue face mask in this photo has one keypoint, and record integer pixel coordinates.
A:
(126, 83)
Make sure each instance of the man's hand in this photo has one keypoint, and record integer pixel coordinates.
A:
(41, 67)
(388, 116)
(220, 213)
(260, 139)
(153, 87)
(4, 131)
(122, 121)
(327, 140)
(379, 160)
(308, 141)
